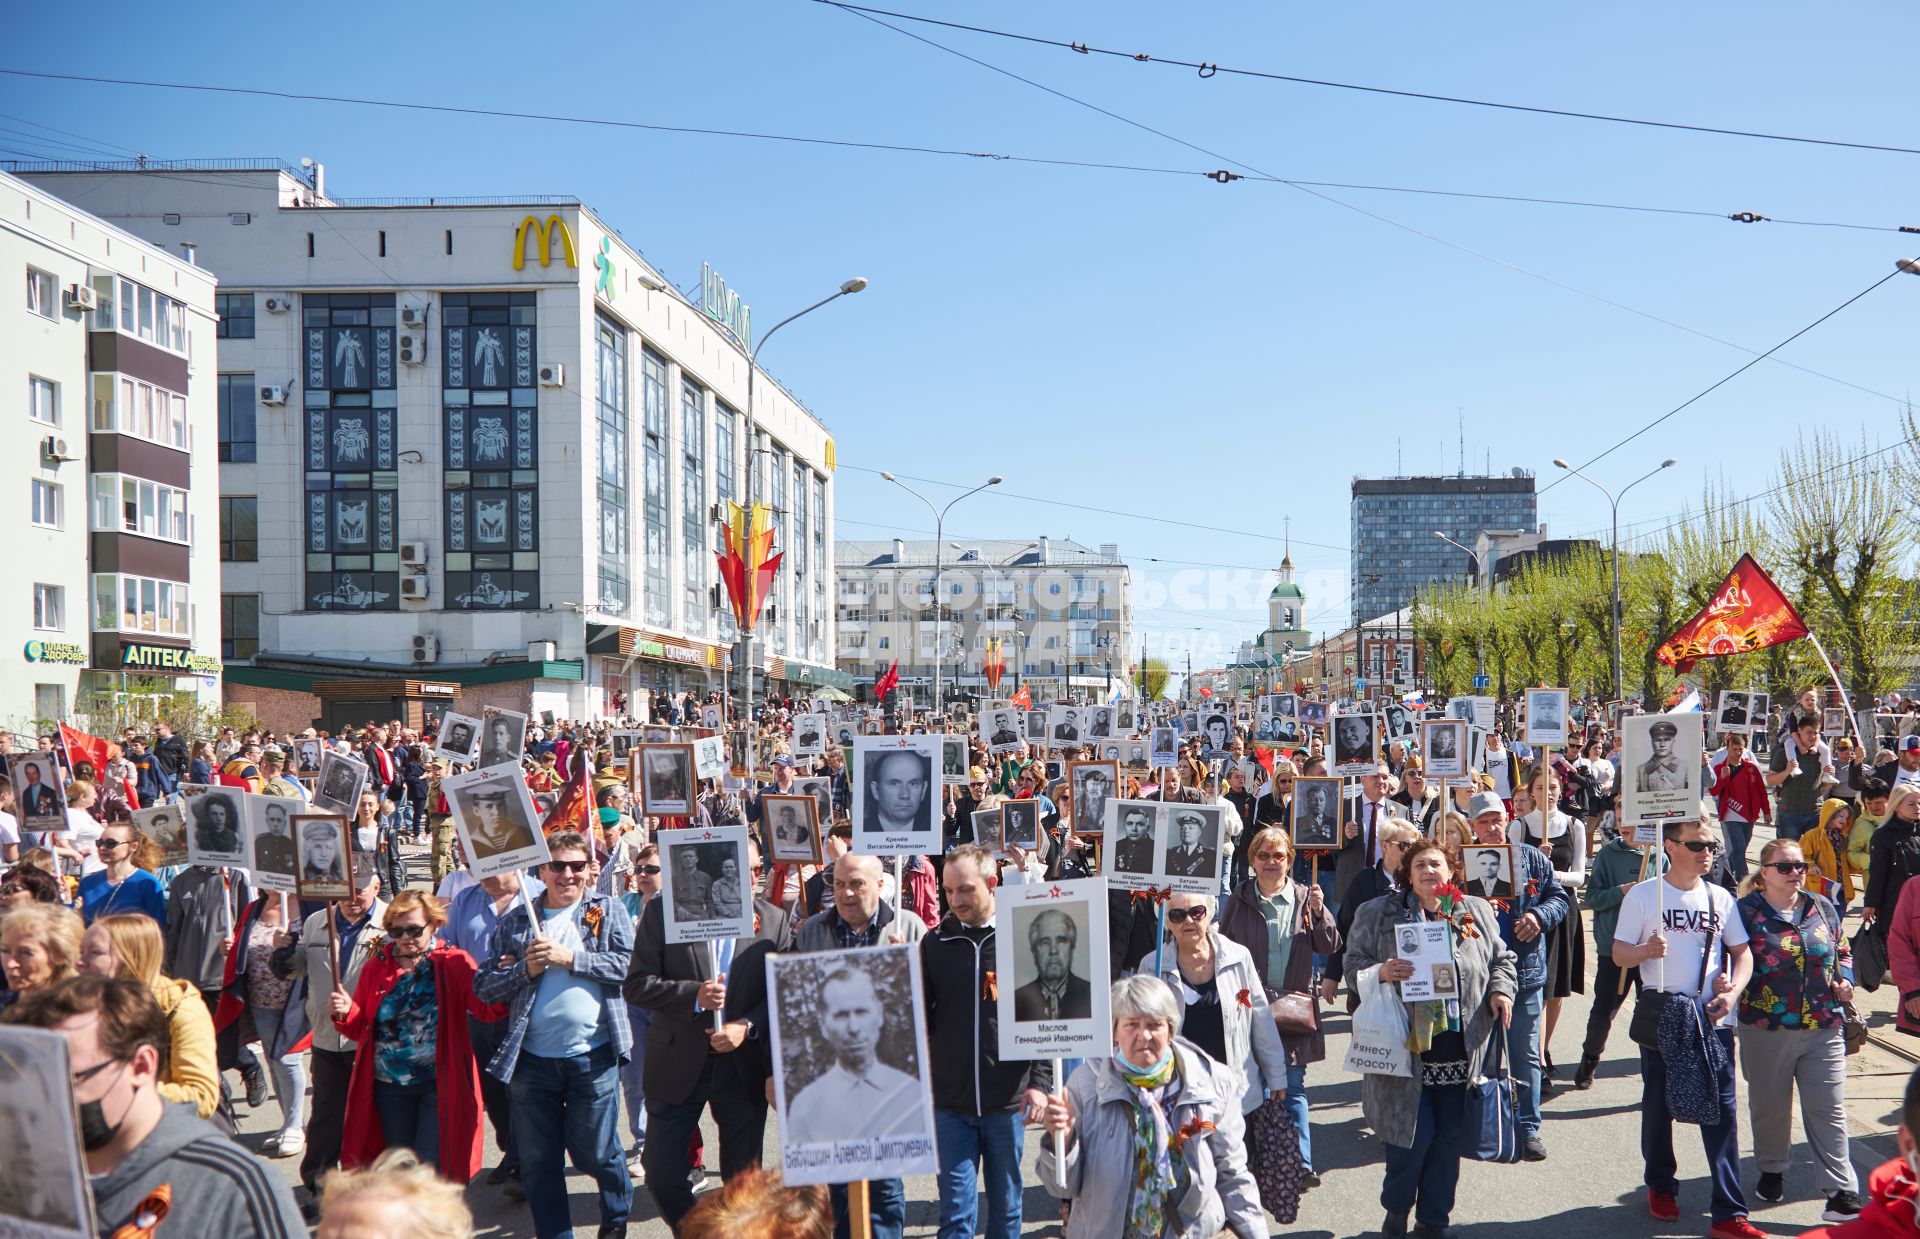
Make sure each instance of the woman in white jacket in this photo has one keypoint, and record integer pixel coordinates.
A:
(1564, 840)
(1224, 1000)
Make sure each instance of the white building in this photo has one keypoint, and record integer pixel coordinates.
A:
(1062, 611)
(108, 362)
(471, 452)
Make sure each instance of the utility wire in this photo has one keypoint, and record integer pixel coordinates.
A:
(1207, 69)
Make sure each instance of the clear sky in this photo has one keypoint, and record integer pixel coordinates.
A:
(1167, 348)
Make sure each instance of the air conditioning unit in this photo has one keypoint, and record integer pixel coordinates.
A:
(82, 297)
(426, 649)
(413, 554)
(542, 651)
(413, 347)
(279, 305)
(553, 374)
(56, 449)
(413, 316)
(273, 396)
(415, 588)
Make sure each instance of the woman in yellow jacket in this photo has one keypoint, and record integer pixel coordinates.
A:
(1829, 871)
(128, 945)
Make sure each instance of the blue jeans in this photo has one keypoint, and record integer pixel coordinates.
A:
(887, 1203)
(289, 1073)
(1739, 837)
(1297, 1107)
(1523, 1057)
(964, 1140)
(410, 1118)
(567, 1106)
(1426, 1176)
(1793, 825)
(642, 1019)
(1721, 1142)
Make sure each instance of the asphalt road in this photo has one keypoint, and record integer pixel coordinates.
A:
(1590, 1186)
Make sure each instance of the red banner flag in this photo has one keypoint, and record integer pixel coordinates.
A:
(1022, 698)
(888, 681)
(81, 747)
(995, 666)
(1747, 613)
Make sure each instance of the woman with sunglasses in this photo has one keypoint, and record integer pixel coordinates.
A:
(1281, 924)
(1791, 1032)
(416, 1081)
(122, 886)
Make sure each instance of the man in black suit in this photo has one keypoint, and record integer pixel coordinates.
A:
(1055, 994)
(694, 1062)
(1066, 730)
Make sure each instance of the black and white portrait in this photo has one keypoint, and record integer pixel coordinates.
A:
(1092, 784)
(337, 789)
(713, 717)
(820, 787)
(1833, 721)
(44, 1192)
(217, 828)
(1123, 719)
(953, 760)
(166, 825)
(809, 734)
(1100, 723)
(1135, 757)
(1050, 963)
(706, 889)
(1067, 724)
(622, 744)
(986, 829)
(896, 794)
(665, 779)
(850, 1064)
(1114, 751)
(1733, 714)
(792, 828)
(1166, 747)
(1036, 726)
(306, 756)
(1356, 748)
(1316, 814)
(459, 738)
(709, 757)
(37, 791)
(323, 855)
(1193, 847)
(1051, 953)
(1020, 824)
(1215, 730)
(1000, 730)
(1547, 716)
(1399, 722)
(1444, 743)
(1313, 713)
(843, 734)
(502, 737)
(1133, 838)
(1487, 871)
(495, 819)
(1660, 766)
(270, 831)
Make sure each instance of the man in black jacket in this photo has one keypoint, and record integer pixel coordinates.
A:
(979, 1102)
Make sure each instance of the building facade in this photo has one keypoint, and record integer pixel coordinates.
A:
(472, 452)
(1061, 611)
(109, 357)
(1394, 550)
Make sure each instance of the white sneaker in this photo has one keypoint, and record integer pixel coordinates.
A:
(290, 1144)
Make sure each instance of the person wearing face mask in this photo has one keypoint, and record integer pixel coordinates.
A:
(135, 1143)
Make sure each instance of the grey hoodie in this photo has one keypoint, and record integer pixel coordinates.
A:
(216, 1187)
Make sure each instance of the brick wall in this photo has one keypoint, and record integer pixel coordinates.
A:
(278, 709)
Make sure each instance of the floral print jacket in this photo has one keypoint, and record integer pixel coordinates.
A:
(1797, 957)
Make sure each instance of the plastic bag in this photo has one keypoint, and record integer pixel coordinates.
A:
(1378, 1045)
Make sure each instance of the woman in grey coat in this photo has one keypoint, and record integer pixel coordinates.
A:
(1153, 1134)
(1420, 1119)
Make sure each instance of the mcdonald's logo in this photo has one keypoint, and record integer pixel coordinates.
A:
(544, 235)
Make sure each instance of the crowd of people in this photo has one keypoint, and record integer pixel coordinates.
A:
(390, 1031)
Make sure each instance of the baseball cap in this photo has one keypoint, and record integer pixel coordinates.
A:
(1484, 802)
(1909, 743)
(783, 760)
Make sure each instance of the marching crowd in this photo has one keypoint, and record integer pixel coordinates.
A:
(391, 1030)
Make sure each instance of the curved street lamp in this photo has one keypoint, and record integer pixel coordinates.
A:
(1619, 684)
(939, 567)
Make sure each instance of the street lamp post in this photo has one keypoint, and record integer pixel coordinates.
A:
(1619, 683)
(1480, 647)
(939, 567)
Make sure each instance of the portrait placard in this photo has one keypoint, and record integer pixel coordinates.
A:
(306, 756)
(1090, 785)
(953, 761)
(656, 735)
(1660, 766)
(894, 793)
(1100, 724)
(1443, 745)
(459, 738)
(999, 730)
(1734, 712)
(809, 735)
(323, 851)
(1195, 835)
(338, 787)
(1051, 949)
(986, 829)
(793, 838)
(706, 888)
(1475, 711)
(166, 825)
(1037, 726)
(1315, 814)
(1399, 721)
(713, 716)
(495, 819)
(710, 757)
(1066, 724)
(1135, 756)
(820, 787)
(1356, 744)
(665, 777)
(1488, 871)
(1547, 717)
(623, 743)
(1166, 748)
(1134, 842)
(1428, 946)
(1313, 713)
(1757, 710)
(1020, 824)
(851, 1024)
(44, 1193)
(38, 793)
(270, 838)
(503, 737)
(1216, 729)
(1833, 721)
(217, 828)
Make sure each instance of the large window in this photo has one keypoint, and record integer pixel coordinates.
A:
(492, 457)
(48, 504)
(350, 452)
(139, 604)
(695, 570)
(239, 625)
(653, 427)
(236, 315)
(820, 570)
(130, 406)
(610, 400)
(797, 539)
(237, 435)
(154, 317)
(123, 504)
(49, 607)
(43, 294)
(239, 528)
(782, 540)
(726, 485)
(43, 400)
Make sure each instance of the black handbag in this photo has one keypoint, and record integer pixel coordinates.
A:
(1492, 1121)
(1869, 959)
(1644, 1027)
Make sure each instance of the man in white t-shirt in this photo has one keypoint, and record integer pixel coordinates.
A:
(1686, 937)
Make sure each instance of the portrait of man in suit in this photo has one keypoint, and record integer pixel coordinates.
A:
(1134, 851)
(1489, 872)
(1054, 993)
(897, 786)
(1068, 728)
(40, 798)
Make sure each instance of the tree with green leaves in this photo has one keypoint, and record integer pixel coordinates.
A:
(1150, 679)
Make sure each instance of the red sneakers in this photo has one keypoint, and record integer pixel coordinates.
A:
(1736, 1228)
(1663, 1205)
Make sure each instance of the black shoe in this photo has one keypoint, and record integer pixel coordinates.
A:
(310, 1210)
(256, 1081)
(1546, 1086)
(1583, 1074)
(513, 1189)
(1772, 1187)
(1532, 1150)
(1311, 1180)
(1421, 1230)
(1394, 1227)
(500, 1174)
(1841, 1207)
(613, 1232)
(1546, 1068)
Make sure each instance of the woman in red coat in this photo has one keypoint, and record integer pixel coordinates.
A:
(415, 1082)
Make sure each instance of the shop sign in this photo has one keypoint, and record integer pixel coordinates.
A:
(724, 306)
(439, 690)
(136, 656)
(543, 235)
(56, 652)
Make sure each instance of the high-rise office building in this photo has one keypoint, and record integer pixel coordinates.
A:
(1394, 550)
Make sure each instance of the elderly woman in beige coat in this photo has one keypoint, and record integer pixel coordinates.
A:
(1225, 1005)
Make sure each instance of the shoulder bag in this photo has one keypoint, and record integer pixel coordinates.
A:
(1644, 1027)
(1492, 1127)
(1294, 1012)
(1853, 1025)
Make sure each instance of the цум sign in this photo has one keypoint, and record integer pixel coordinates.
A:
(723, 306)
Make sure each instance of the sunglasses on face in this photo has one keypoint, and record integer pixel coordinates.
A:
(408, 932)
(567, 866)
(1280, 856)
(108, 845)
(1788, 866)
(1697, 846)
(1179, 916)
(651, 871)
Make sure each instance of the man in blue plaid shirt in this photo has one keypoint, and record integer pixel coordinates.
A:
(567, 1035)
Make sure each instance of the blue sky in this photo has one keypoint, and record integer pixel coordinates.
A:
(1164, 347)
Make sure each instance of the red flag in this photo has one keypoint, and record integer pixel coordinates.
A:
(888, 681)
(1265, 757)
(83, 747)
(1022, 698)
(573, 809)
(1206, 690)
(995, 666)
(1748, 612)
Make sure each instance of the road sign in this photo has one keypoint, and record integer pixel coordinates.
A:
(1483, 681)
(1360, 686)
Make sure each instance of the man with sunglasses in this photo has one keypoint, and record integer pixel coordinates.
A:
(567, 1034)
(1683, 934)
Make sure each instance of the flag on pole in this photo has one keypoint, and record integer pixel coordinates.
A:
(995, 665)
(1747, 613)
(81, 746)
(888, 681)
(1022, 698)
